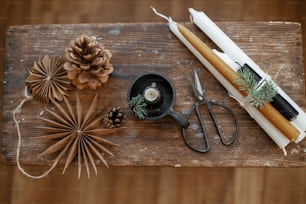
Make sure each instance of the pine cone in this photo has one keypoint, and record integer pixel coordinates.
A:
(88, 63)
(114, 117)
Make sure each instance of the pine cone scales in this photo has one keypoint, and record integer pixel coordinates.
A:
(88, 63)
(114, 117)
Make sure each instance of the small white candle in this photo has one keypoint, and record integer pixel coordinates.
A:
(151, 94)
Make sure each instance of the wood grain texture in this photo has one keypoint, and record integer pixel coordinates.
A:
(273, 186)
(140, 48)
(159, 185)
(141, 185)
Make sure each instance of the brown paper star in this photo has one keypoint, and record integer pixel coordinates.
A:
(78, 135)
(48, 79)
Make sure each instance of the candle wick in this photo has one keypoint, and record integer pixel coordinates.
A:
(191, 18)
(160, 15)
(153, 84)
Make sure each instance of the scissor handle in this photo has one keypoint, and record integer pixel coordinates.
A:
(212, 114)
(206, 148)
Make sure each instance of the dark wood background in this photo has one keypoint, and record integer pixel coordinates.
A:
(151, 184)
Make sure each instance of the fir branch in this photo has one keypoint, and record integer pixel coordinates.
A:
(257, 96)
(138, 106)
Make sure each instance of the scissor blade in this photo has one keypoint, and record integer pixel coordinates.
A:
(197, 84)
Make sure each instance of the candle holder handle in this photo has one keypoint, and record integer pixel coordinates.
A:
(179, 119)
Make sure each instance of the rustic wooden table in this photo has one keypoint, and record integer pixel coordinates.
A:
(146, 47)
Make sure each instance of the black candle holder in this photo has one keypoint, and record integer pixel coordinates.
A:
(167, 96)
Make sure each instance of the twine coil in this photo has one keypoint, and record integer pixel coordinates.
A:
(16, 111)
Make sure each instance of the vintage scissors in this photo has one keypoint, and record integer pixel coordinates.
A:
(201, 100)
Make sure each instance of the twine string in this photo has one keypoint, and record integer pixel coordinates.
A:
(16, 111)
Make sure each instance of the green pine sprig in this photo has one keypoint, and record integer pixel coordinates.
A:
(256, 96)
(138, 105)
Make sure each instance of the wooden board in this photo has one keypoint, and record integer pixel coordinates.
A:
(146, 47)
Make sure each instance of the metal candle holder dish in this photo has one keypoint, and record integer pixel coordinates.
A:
(159, 95)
